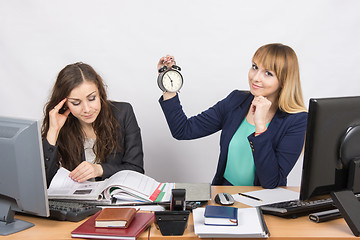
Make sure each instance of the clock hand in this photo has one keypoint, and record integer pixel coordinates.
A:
(170, 80)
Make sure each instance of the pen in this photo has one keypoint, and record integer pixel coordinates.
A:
(248, 196)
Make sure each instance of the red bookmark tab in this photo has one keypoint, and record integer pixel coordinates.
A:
(155, 193)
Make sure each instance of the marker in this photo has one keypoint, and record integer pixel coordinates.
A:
(248, 196)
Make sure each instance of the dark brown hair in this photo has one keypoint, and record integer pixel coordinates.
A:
(71, 136)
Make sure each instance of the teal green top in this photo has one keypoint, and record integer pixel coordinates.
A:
(240, 167)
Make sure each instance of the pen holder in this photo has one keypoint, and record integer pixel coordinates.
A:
(172, 223)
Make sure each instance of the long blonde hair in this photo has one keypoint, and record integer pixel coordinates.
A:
(283, 61)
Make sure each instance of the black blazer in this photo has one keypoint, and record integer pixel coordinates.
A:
(130, 159)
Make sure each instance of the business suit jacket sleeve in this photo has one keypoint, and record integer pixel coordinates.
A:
(183, 128)
(51, 160)
(132, 156)
(274, 160)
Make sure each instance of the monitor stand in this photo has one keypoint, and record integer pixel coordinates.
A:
(8, 224)
(349, 207)
(345, 200)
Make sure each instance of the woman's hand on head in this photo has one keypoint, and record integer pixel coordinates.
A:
(85, 170)
(56, 121)
(260, 107)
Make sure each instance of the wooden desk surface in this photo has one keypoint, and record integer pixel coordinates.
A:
(280, 228)
(46, 229)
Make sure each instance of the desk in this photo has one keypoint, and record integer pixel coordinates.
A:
(280, 228)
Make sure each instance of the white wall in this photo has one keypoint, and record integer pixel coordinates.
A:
(213, 42)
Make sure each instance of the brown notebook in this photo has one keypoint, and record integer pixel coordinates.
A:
(115, 217)
(138, 225)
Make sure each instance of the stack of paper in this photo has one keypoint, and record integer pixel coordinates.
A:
(250, 225)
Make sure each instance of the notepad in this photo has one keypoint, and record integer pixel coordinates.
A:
(220, 215)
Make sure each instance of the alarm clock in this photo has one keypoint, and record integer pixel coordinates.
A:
(170, 80)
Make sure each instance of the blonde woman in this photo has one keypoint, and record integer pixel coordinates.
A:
(263, 129)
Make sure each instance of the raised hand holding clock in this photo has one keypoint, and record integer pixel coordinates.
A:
(169, 79)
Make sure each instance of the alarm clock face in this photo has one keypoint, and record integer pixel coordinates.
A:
(172, 81)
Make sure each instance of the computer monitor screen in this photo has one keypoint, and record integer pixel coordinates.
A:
(22, 173)
(332, 143)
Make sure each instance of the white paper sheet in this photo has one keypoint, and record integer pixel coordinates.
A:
(267, 196)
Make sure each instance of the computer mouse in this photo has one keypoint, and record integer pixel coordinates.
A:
(224, 199)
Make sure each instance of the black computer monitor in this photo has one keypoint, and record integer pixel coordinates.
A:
(332, 150)
(22, 174)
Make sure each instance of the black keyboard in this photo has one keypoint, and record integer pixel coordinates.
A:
(295, 208)
(71, 211)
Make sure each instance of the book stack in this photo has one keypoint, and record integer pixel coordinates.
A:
(114, 223)
(229, 222)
